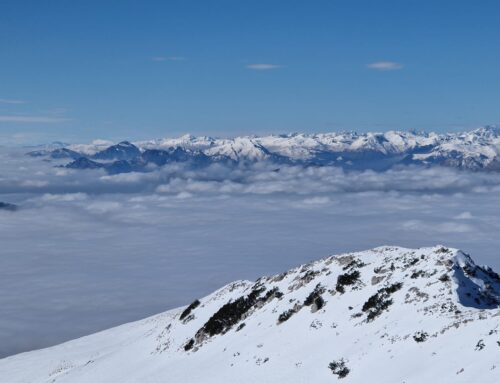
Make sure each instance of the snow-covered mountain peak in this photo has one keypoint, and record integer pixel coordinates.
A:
(365, 316)
(474, 150)
(487, 131)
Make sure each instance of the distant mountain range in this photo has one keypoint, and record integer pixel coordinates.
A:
(384, 315)
(7, 206)
(478, 149)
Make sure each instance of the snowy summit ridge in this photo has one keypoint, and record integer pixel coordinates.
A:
(478, 149)
(371, 316)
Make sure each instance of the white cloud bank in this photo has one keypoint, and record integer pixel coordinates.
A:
(86, 250)
(11, 101)
(32, 119)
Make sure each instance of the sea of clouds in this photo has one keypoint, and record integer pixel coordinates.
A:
(87, 250)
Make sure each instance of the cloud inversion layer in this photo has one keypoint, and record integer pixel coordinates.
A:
(87, 250)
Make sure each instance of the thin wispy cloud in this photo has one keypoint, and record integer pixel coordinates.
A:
(262, 66)
(11, 101)
(385, 65)
(168, 58)
(32, 119)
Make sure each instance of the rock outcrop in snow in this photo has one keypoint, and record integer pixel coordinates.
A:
(389, 314)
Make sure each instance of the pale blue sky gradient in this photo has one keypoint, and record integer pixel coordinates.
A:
(142, 69)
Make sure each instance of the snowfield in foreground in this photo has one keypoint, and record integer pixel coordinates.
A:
(385, 315)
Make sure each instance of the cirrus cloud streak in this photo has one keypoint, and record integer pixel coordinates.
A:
(263, 66)
(32, 119)
(385, 66)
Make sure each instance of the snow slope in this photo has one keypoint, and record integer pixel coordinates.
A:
(390, 314)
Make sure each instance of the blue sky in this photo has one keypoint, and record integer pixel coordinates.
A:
(141, 69)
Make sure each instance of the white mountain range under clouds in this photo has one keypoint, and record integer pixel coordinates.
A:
(475, 150)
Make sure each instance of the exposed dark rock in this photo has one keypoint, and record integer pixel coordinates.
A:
(380, 301)
(189, 345)
(8, 206)
(84, 163)
(315, 299)
(284, 316)
(229, 314)
(189, 309)
(121, 151)
(420, 336)
(346, 279)
(339, 368)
